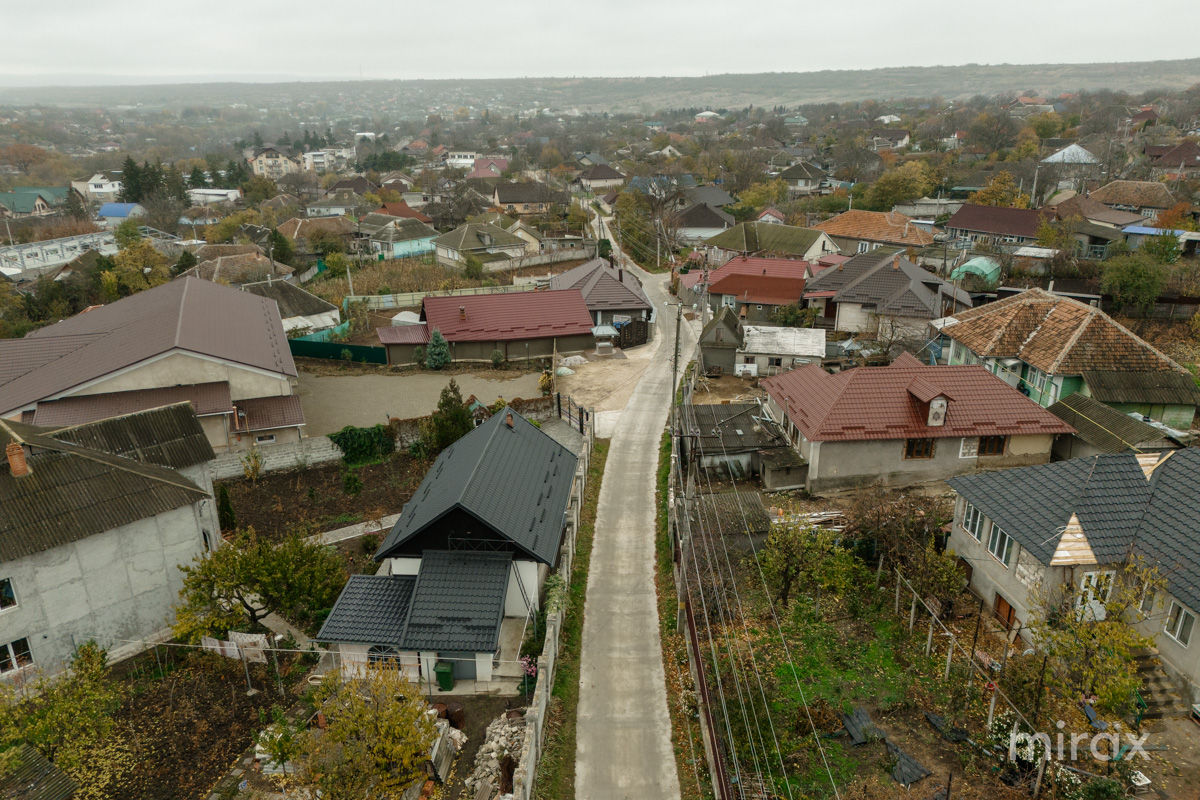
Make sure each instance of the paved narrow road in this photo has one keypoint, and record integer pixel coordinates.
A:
(624, 732)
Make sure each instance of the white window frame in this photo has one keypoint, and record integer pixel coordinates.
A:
(972, 521)
(1179, 619)
(969, 448)
(997, 536)
(863, 247)
(11, 590)
(1094, 586)
(10, 656)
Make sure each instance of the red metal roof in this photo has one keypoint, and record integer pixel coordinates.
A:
(768, 289)
(507, 317)
(885, 403)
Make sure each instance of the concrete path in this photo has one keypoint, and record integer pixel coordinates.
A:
(623, 737)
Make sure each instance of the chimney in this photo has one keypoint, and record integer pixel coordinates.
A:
(462, 312)
(17, 464)
(508, 420)
(621, 275)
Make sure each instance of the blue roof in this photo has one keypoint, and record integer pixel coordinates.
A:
(1148, 231)
(117, 209)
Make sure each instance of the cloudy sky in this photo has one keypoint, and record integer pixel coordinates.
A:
(148, 41)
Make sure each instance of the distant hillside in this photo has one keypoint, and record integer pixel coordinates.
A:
(647, 94)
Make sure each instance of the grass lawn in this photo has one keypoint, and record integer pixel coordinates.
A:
(556, 771)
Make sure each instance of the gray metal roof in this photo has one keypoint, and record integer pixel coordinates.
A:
(516, 481)
(458, 602)
(455, 603)
(604, 286)
(371, 608)
(291, 299)
(890, 283)
(1118, 507)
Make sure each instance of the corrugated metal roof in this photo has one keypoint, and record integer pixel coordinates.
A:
(516, 481)
(264, 413)
(291, 299)
(766, 237)
(169, 436)
(508, 317)
(1165, 388)
(458, 602)
(73, 491)
(34, 777)
(1106, 428)
(187, 315)
(404, 334)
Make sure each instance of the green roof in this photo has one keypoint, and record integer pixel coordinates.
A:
(982, 266)
(756, 237)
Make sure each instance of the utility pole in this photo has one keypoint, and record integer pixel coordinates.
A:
(675, 362)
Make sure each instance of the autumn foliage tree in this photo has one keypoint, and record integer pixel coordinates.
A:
(244, 580)
(1002, 190)
(376, 740)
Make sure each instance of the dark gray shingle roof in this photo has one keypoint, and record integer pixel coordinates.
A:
(516, 481)
(1119, 509)
(371, 608)
(458, 602)
(1106, 428)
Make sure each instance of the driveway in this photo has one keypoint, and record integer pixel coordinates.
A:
(623, 736)
(331, 402)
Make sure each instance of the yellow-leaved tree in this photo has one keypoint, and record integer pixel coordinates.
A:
(377, 736)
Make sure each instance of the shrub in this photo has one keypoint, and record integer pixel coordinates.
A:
(346, 355)
(419, 356)
(361, 445)
(473, 268)
(497, 358)
(226, 517)
(252, 465)
(351, 483)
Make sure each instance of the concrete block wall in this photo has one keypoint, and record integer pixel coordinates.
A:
(295, 455)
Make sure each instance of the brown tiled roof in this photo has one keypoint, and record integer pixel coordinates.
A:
(1087, 208)
(885, 403)
(206, 251)
(601, 172)
(264, 413)
(998, 220)
(604, 286)
(205, 398)
(508, 317)
(775, 290)
(1058, 335)
(1135, 194)
(404, 211)
(888, 227)
(184, 315)
(1185, 154)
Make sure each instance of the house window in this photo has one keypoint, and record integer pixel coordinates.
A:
(973, 521)
(15, 655)
(265, 439)
(1179, 624)
(383, 654)
(8, 597)
(1094, 586)
(969, 449)
(747, 359)
(862, 247)
(1147, 605)
(775, 361)
(918, 448)
(992, 445)
(759, 307)
(1000, 544)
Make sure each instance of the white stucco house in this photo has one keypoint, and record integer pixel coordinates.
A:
(97, 518)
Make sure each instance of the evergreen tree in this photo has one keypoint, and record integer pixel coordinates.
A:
(437, 355)
(197, 179)
(451, 421)
(186, 261)
(131, 181)
(281, 248)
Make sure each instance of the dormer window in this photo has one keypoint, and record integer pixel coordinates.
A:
(937, 412)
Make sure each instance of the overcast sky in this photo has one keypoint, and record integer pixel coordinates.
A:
(149, 41)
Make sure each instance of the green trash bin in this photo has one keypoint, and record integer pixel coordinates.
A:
(444, 671)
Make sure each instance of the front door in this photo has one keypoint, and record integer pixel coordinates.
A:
(1005, 612)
